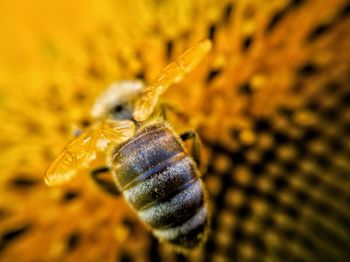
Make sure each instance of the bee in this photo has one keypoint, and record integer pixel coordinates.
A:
(147, 159)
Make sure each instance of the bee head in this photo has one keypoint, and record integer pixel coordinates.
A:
(117, 101)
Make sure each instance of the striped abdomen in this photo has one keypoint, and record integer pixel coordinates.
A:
(161, 182)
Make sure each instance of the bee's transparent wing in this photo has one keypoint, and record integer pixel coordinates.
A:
(171, 74)
(81, 151)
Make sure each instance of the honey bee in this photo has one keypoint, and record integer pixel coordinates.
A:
(147, 158)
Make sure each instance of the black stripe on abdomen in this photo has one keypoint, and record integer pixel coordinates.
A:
(144, 152)
(189, 234)
(162, 182)
(177, 209)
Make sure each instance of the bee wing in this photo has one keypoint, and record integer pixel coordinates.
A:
(171, 74)
(81, 151)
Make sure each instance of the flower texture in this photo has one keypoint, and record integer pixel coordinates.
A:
(271, 103)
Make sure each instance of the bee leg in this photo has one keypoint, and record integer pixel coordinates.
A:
(104, 181)
(165, 107)
(196, 145)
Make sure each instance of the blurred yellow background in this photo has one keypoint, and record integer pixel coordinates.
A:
(271, 104)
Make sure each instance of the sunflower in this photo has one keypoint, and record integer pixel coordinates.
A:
(271, 103)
